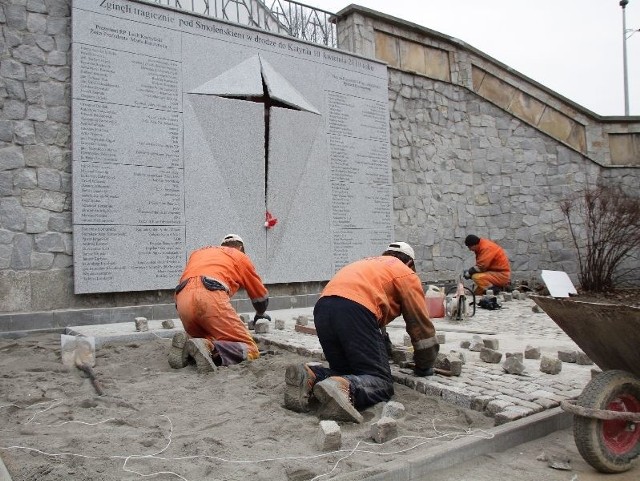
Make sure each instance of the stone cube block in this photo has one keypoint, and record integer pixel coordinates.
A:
(449, 362)
(490, 356)
(393, 410)
(261, 326)
(385, 429)
(329, 437)
(550, 365)
(168, 324)
(518, 355)
(531, 352)
(458, 355)
(491, 343)
(142, 324)
(567, 356)
(513, 365)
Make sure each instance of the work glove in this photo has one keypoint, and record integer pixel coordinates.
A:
(423, 360)
(423, 372)
(470, 272)
(261, 316)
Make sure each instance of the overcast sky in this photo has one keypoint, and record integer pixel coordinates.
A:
(573, 47)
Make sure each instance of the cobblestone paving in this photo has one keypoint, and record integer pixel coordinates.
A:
(481, 386)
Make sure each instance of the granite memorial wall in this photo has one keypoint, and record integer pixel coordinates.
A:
(185, 129)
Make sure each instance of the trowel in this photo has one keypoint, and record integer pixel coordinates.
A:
(80, 352)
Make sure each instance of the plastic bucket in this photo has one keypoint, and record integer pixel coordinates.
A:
(435, 301)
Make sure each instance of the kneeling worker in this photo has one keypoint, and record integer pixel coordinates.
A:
(203, 299)
(360, 300)
(492, 266)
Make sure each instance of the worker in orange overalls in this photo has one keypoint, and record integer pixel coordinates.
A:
(492, 266)
(350, 317)
(215, 334)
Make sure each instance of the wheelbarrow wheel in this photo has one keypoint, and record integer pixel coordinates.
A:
(609, 446)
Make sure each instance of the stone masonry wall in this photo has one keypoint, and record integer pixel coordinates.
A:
(35, 160)
(460, 164)
(478, 148)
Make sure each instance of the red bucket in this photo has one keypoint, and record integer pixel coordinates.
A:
(435, 301)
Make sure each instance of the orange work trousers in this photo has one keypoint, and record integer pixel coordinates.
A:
(210, 315)
(484, 280)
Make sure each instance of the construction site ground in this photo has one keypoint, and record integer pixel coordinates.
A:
(484, 424)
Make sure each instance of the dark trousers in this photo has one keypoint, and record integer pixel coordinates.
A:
(355, 349)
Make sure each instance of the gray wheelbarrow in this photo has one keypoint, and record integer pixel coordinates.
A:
(606, 422)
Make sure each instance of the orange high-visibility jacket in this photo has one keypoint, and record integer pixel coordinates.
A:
(229, 266)
(490, 257)
(388, 288)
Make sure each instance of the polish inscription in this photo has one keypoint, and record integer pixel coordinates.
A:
(156, 199)
(114, 134)
(106, 75)
(360, 174)
(105, 255)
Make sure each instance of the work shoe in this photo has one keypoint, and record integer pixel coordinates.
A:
(335, 403)
(199, 350)
(178, 355)
(299, 379)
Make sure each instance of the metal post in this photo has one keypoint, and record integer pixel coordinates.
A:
(623, 4)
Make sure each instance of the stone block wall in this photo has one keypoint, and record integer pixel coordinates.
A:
(471, 152)
(35, 161)
(478, 148)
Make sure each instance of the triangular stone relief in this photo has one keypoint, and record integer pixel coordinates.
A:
(246, 80)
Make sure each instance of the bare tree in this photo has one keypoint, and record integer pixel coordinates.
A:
(605, 226)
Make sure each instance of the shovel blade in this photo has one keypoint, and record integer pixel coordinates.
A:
(78, 350)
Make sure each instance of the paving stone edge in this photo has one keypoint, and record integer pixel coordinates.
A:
(451, 453)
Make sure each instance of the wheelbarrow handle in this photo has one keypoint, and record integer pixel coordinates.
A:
(603, 414)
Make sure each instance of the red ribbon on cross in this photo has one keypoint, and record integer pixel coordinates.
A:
(270, 221)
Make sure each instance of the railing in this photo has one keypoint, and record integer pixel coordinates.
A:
(285, 17)
(306, 23)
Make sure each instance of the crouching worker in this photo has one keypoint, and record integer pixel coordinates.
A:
(492, 268)
(360, 300)
(214, 333)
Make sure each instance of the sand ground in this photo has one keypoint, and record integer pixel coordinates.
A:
(227, 425)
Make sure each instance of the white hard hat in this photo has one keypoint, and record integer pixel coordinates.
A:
(232, 238)
(402, 247)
